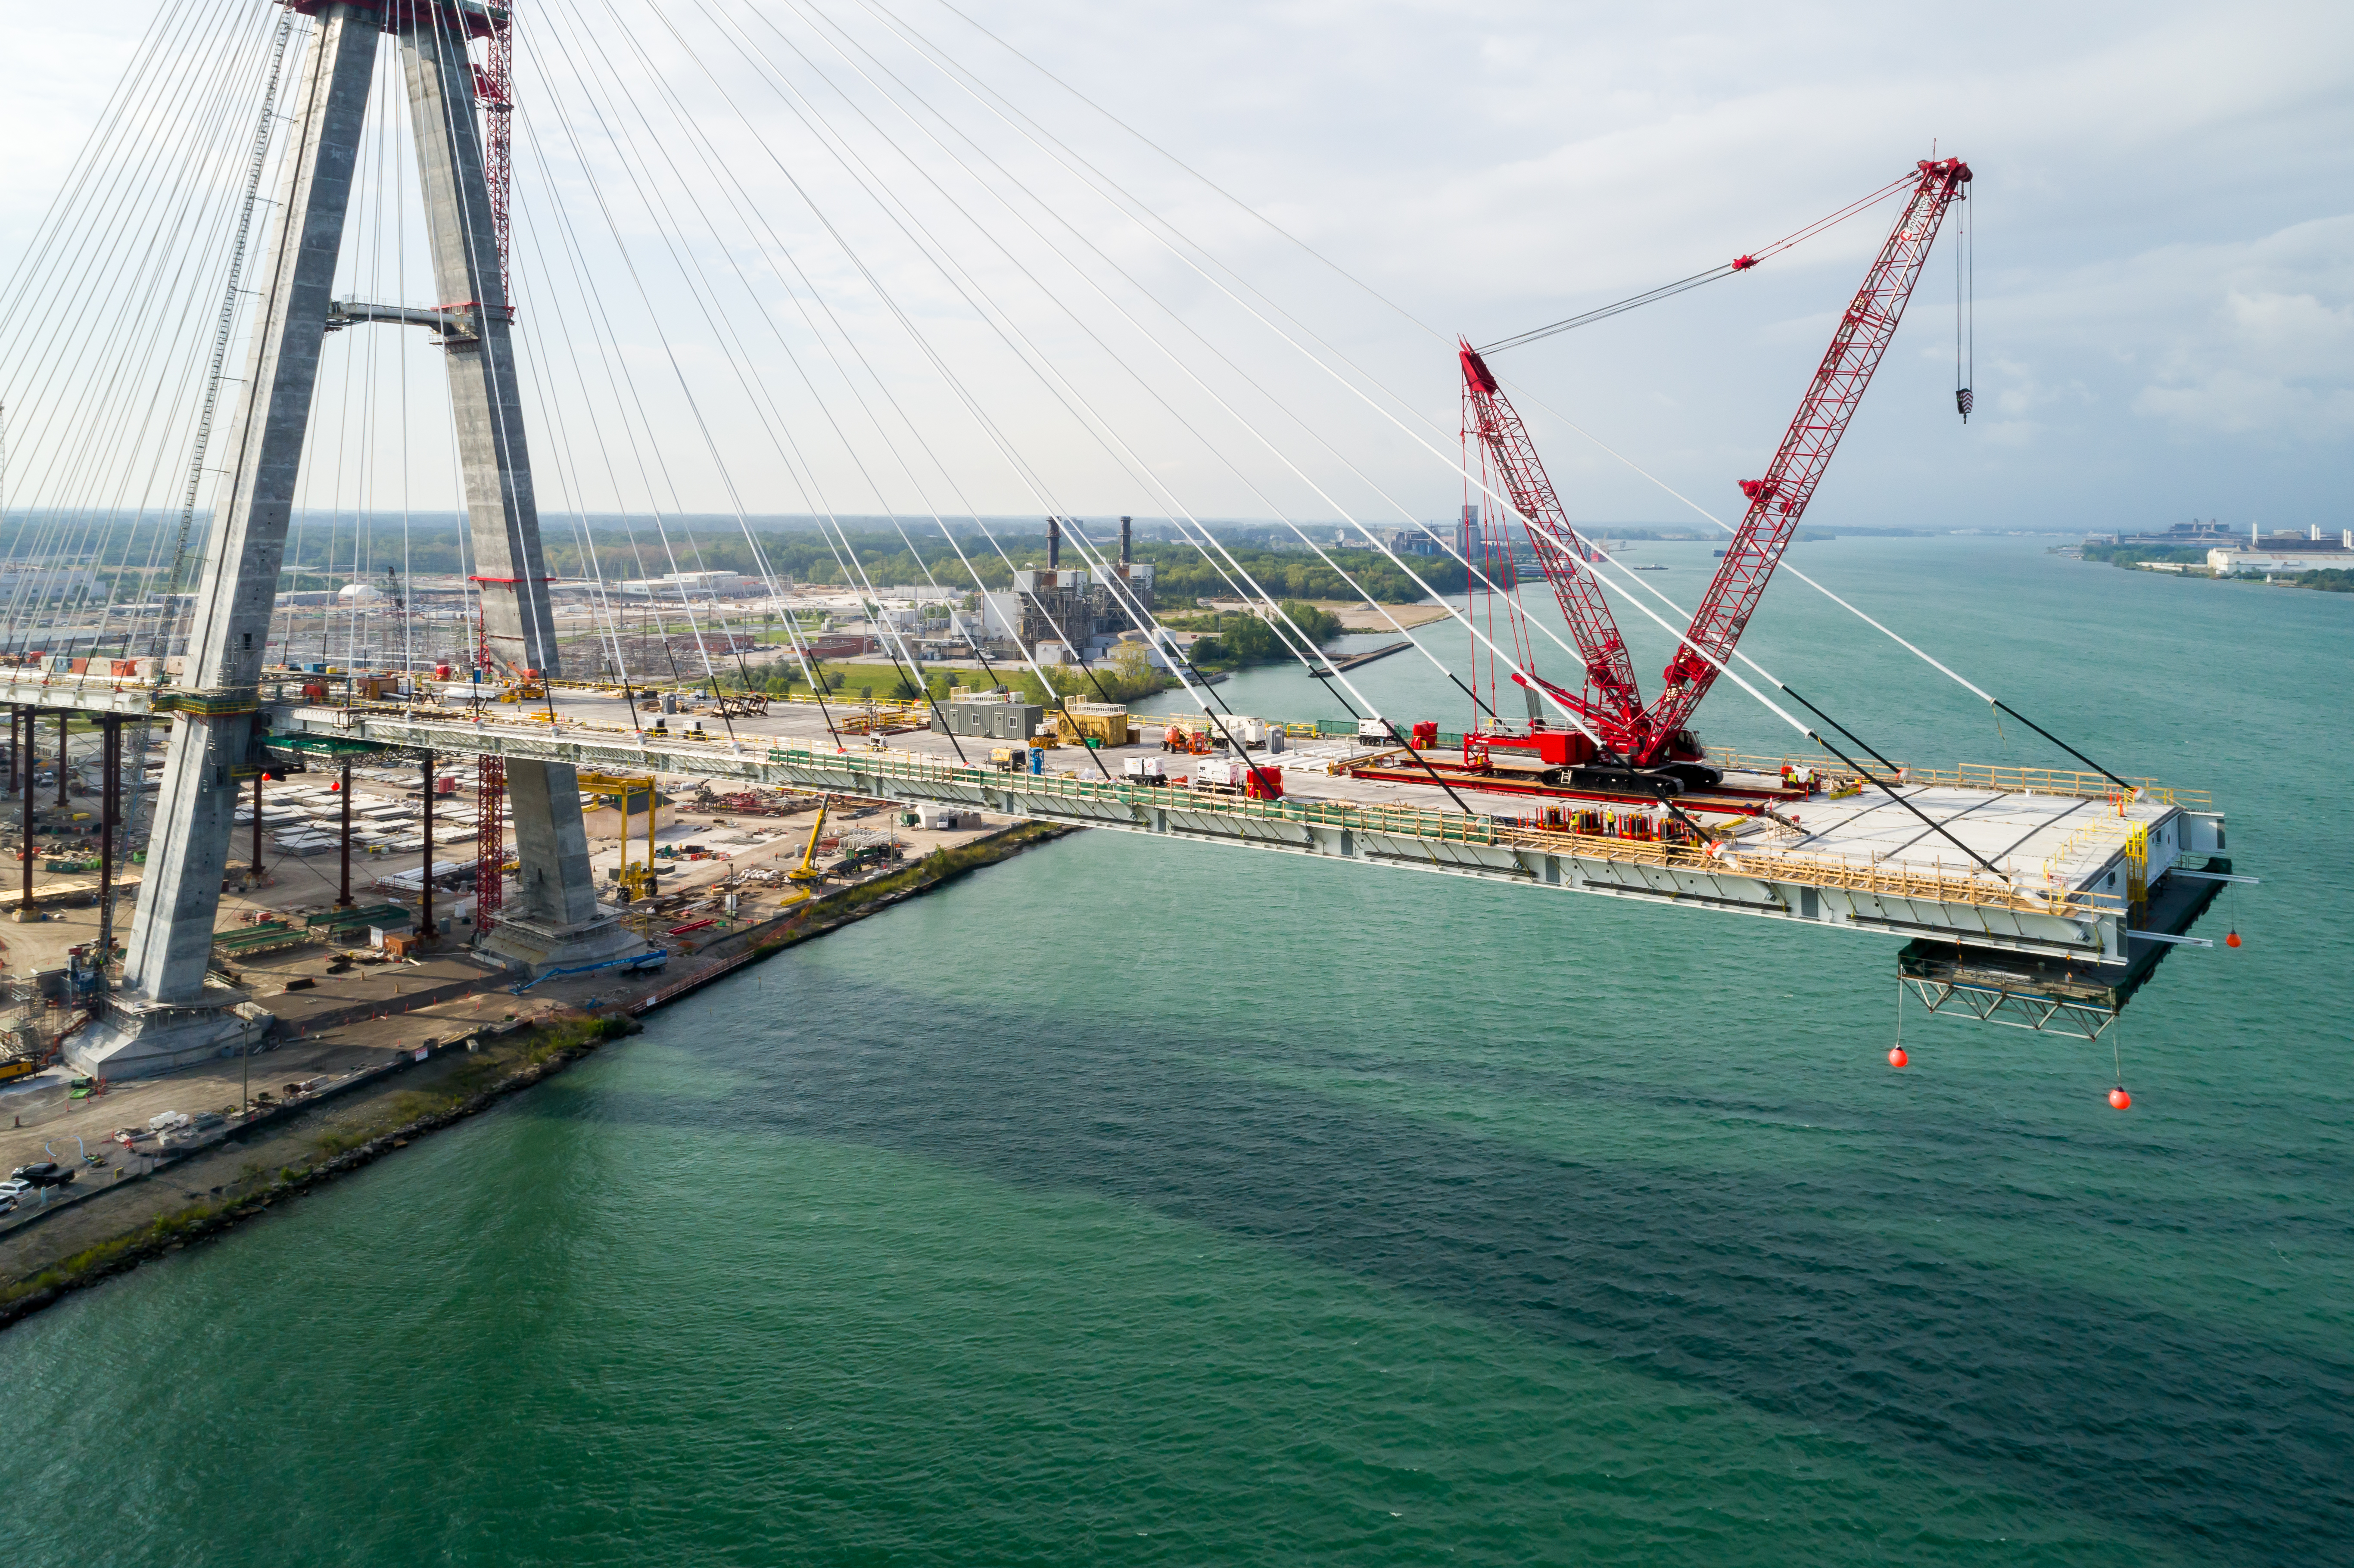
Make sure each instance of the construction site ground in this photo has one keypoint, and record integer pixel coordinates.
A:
(352, 1010)
(366, 1064)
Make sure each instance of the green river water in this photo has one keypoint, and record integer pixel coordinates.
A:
(1146, 1202)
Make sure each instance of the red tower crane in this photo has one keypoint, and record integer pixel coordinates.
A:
(1644, 735)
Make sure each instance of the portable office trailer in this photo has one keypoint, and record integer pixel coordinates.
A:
(989, 721)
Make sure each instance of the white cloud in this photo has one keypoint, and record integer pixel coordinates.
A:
(2269, 363)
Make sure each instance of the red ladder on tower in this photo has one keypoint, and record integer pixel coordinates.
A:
(495, 95)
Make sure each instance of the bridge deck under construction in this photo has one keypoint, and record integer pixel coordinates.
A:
(2075, 854)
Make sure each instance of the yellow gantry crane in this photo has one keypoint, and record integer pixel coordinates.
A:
(637, 880)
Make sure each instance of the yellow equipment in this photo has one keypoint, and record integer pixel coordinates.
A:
(1098, 724)
(806, 871)
(637, 880)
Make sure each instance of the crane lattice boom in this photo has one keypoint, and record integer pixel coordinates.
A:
(1613, 703)
(1778, 500)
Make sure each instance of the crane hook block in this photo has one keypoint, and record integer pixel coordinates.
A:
(1743, 263)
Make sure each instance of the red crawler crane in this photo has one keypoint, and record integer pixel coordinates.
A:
(1644, 735)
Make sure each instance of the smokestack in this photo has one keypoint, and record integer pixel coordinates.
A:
(1053, 543)
(1127, 556)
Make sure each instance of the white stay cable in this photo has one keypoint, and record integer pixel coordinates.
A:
(748, 212)
(1282, 458)
(1372, 293)
(779, 431)
(1308, 659)
(1020, 469)
(1028, 476)
(1073, 402)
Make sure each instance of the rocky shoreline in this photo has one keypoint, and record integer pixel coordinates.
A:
(346, 1134)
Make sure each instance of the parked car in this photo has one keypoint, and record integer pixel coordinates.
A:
(13, 1188)
(39, 1175)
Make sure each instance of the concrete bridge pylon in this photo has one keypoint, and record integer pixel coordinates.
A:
(166, 1015)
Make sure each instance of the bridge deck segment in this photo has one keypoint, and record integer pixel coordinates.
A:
(1855, 870)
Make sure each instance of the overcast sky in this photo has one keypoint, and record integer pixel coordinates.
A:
(2164, 265)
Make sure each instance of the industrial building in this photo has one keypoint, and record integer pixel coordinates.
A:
(2182, 536)
(2274, 553)
(1059, 615)
(675, 586)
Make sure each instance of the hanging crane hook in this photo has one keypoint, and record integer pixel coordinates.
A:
(1965, 308)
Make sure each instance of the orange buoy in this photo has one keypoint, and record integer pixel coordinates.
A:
(2119, 1099)
(2232, 940)
(1897, 1058)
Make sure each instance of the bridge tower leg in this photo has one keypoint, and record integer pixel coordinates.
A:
(555, 921)
(165, 1016)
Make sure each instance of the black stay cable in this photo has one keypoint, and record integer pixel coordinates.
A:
(1891, 792)
(1838, 727)
(2063, 746)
